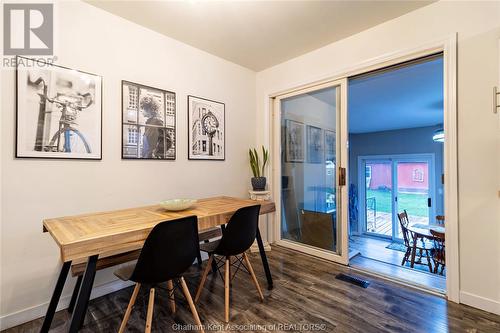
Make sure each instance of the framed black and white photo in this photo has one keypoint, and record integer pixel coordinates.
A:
(315, 149)
(206, 129)
(294, 141)
(330, 146)
(58, 112)
(148, 122)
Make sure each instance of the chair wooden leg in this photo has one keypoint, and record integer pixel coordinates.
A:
(428, 260)
(226, 290)
(149, 315)
(254, 278)
(171, 299)
(203, 278)
(413, 254)
(191, 304)
(129, 307)
(406, 256)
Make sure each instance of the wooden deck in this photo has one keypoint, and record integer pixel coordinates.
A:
(382, 224)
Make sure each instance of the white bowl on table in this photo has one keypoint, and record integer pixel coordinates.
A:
(178, 204)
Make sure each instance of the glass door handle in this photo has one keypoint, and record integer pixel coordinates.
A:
(429, 202)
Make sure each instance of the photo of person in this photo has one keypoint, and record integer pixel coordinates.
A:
(148, 121)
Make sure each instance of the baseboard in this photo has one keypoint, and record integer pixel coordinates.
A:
(480, 302)
(37, 311)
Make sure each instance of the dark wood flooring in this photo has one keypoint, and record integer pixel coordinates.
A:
(306, 292)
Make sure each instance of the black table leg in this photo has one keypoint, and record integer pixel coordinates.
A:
(198, 259)
(82, 301)
(72, 302)
(51, 310)
(264, 260)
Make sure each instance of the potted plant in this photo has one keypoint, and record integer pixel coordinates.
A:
(258, 180)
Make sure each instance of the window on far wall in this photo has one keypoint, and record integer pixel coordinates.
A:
(418, 175)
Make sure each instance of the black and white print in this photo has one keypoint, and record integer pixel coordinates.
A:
(294, 141)
(206, 121)
(315, 149)
(148, 122)
(59, 112)
(330, 145)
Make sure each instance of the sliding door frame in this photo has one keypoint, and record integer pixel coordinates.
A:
(341, 131)
(448, 46)
(393, 159)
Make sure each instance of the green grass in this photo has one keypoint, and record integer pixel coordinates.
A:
(414, 203)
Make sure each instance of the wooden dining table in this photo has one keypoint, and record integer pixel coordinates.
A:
(422, 231)
(103, 234)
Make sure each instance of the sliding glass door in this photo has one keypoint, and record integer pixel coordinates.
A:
(392, 184)
(311, 173)
(379, 200)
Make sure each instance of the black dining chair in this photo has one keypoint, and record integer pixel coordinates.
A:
(164, 258)
(237, 237)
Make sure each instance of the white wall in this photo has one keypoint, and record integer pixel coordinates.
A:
(95, 41)
(478, 28)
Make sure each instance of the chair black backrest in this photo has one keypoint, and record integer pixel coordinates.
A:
(169, 250)
(240, 231)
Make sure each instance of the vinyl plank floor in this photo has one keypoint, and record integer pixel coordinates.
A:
(306, 293)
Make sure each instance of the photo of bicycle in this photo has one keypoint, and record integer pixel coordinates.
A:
(59, 113)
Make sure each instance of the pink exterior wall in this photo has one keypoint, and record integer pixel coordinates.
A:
(411, 176)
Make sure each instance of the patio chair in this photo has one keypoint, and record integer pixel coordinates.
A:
(440, 219)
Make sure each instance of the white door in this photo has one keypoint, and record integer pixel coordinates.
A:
(309, 170)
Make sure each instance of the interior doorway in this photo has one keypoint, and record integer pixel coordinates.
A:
(396, 154)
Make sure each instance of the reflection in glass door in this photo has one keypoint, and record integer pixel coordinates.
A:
(310, 191)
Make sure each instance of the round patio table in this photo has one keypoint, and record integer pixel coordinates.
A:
(422, 231)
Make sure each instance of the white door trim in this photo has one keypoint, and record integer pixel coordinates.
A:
(447, 45)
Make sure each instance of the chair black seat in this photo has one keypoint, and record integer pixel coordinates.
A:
(164, 259)
(237, 237)
(210, 247)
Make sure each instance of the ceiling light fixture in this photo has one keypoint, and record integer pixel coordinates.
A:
(438, 135)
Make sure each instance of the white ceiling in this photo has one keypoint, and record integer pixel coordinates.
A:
(258, 34)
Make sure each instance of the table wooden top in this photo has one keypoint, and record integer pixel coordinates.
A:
(424, 230)
(113, 232)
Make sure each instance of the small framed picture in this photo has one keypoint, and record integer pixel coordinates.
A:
(294, 132)
(206, 129)
(58, 112)
(330, 146)
(148, 122)
(315, 148)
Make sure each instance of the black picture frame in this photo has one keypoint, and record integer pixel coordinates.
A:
(290, 145)
(190, 127)
(47, 154)
(123, 123)
(315, 144)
